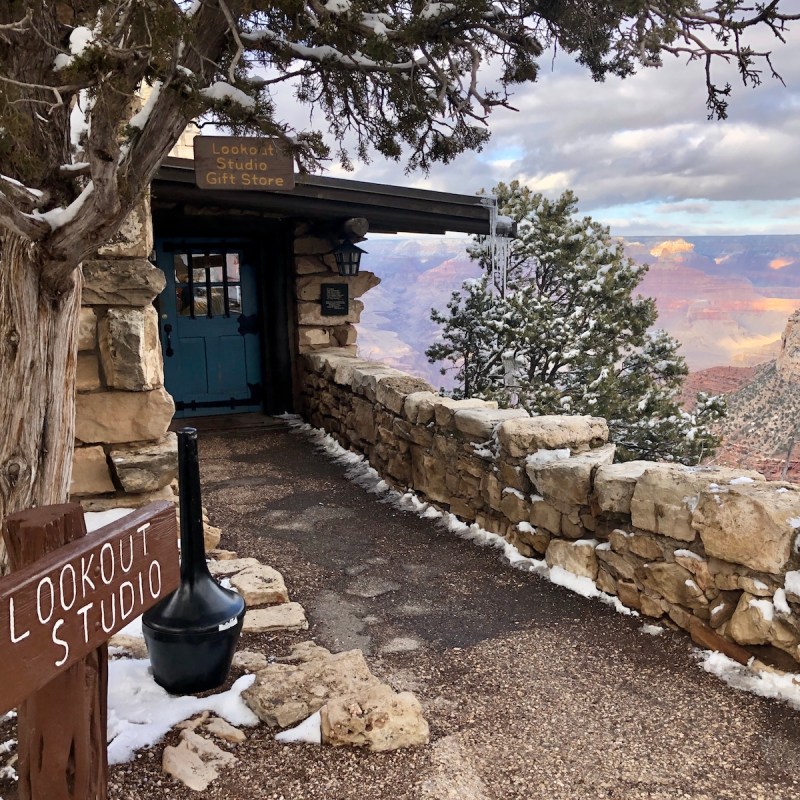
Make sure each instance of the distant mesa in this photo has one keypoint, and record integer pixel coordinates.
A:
(671, 249)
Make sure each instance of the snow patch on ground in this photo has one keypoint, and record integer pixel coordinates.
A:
(784, 687)
(652, 630)
(99, 519)
(308, 732)
(140, 712)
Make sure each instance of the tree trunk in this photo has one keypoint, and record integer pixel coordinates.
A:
(38, 357)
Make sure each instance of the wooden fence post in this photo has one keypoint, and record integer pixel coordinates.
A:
(62, 727)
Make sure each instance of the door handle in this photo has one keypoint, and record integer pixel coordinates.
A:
(169, 351)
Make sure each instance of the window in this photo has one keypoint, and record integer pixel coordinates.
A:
(208, 284)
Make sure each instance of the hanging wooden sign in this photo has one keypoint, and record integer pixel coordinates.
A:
(55, 611)
(242, 162)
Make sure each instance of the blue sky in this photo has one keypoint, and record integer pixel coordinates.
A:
(640, 153)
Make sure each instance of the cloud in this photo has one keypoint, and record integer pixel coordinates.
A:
(639, 153)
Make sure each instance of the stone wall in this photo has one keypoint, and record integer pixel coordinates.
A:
(711, 550)
(314, 264)
(124, 455)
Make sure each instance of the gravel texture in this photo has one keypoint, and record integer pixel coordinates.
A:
(530, 691)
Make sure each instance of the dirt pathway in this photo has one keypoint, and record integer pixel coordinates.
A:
(531, 691)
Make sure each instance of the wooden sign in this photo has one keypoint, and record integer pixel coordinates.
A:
(242, 162)
(334, 300)
(58, 609)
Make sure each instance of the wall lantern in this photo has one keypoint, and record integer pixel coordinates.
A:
(348, 258)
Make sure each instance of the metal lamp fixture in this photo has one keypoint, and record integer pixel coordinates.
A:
(348, 258)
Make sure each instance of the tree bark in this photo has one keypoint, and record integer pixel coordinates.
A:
(38, 357)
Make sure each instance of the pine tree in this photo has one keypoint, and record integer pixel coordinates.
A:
(572, 336)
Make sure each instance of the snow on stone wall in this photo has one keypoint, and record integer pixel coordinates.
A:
(713, 550)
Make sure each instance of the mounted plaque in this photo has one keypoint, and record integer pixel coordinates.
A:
(334, 300)
(242, 162)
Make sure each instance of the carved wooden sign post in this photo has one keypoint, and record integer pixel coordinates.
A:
(66, 597)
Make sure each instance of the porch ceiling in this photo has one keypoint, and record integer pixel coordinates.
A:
(389, 209)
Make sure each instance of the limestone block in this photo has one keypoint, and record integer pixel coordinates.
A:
(309, 265)
(117, 417)
(391, 392)
(752, 524)
(567, 483)
(344, 335)
(418, 407)
(309, 287)
(130, 350)
(516, 508)
(461, 509)
(629, 595)
(618, 565)
(311, 314)
(132, 282)
(672, 582)
(134, 239)
(362, 420)
(218, 727)
(376, 718)
(544, 515)
(605, 583)
(647, 547)
(312, 337)
(537, 539)
(575, 557)
(324, 362)
(284, 694)
(87, 329)
(479, 424)
(751, 621)
(260, 585)
(90, 473)
(284, 617)
(312, 245)
(619, 540)
(699, 569)
(195, 761)
(614, 485)
(417, 434)
(428, 475)
(145, 468)
(249, 661)
(122, 500)
(650, 606)
(365, 376)
(521, 437)
(513, 475)
(666, 495)
(723, 607)
(87, 376)
(491, 490)
(444, 408)
(230, 566)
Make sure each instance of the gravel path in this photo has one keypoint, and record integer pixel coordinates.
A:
(531, 691)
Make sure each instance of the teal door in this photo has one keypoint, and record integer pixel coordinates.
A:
(210, 327)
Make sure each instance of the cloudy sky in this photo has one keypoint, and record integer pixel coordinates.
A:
(640, 153)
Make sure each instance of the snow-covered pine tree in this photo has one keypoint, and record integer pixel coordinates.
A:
(572, 336)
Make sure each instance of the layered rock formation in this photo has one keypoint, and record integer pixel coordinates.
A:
(764, 414)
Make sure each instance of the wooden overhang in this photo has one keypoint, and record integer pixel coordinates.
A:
(389, 209)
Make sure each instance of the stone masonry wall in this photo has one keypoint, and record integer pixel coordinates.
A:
(711, 550)
(314, 265)
(124, 455)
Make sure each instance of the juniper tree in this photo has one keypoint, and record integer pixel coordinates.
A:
(403, 76)
(571, 335)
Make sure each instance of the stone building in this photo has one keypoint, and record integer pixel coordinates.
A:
(204, 303)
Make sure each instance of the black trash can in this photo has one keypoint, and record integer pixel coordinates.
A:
(191, 634)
